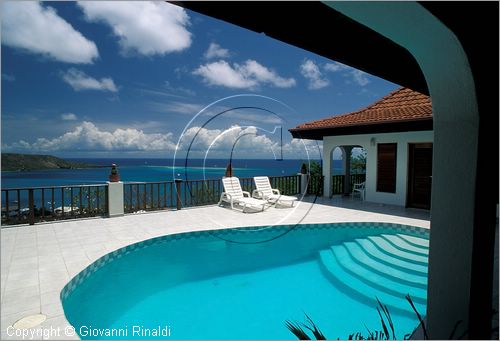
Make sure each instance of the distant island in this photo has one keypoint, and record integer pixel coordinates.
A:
(29, 162)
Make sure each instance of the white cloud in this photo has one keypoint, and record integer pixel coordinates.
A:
(221, 73)
(80, 81)
(243, 115)
(29, 26)
(250, 142)
(247, 142)
(88, 137)
(216, 51)
(335, 67)
(264, 75)
(360, 77)
(177, 107)
(145, 27)
(246, 76)
(68, 117)
(354, 75)
(303, 149)
(311, 71)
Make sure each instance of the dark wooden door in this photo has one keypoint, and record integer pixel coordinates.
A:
(420, 175)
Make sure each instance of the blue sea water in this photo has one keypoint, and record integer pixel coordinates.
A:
(152, 170)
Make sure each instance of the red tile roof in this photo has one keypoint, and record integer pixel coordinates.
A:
(401, 105)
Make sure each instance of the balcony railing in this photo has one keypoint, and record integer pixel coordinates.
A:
(338, 182)
(152, 196)
(40, 204)
(31, 205)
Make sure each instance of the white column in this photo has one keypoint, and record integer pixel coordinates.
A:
(115, 199)
(303, 183)
(327, 171)
(346, 163)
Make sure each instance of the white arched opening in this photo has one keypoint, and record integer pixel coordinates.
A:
(456, 120)
(337, 172)
(332, 153)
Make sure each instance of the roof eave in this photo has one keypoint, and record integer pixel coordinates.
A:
(317, 133)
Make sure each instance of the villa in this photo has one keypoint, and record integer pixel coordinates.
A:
(396, 133)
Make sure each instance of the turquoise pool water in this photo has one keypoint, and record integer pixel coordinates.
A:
(245, 283)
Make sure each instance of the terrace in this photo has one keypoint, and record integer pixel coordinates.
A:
(38, 260)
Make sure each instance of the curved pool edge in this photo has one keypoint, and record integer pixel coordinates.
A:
(120, 252)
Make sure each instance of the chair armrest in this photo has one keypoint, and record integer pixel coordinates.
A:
(360, 186)
(276, 191)
(226, 195)
(246, 194)
(257, 194)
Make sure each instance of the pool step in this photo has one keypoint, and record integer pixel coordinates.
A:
(358, 255)
(404, 245)
(384, 283)
(386, 266)
(361, 291)
(415, 240)
(385, 246)
(383, 257)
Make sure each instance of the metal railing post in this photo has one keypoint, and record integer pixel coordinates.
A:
(31, 207)
(178, 196)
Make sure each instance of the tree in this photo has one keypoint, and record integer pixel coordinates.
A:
(315, 168)
(312, 167)
(358, 163)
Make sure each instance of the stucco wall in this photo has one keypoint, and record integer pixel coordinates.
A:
(402, 140)
(456, 130)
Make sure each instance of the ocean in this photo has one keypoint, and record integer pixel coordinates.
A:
(153, 170)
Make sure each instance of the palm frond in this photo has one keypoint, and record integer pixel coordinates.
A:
(388, 317)
(408, 298)
(316, 332)
(384, 327)
(297, 330)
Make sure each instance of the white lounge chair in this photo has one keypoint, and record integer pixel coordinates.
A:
(265, 191)
(359, 189)
(234, 195)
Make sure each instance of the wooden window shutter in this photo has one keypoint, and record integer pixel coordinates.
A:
(386, 167)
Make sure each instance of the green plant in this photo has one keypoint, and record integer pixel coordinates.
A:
(315, 185)
(358, 163)
(297, 330)
(386, 324)
(311, 167)
(383, 334)
(387, 331)
(315, 168)
(426, 337)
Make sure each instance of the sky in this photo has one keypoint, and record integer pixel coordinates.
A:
(151, 79)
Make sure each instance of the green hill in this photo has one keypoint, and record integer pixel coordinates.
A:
(27, 162)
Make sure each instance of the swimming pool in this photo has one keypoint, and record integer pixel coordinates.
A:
(244, 283)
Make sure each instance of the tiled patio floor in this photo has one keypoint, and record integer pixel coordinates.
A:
(37, 261)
